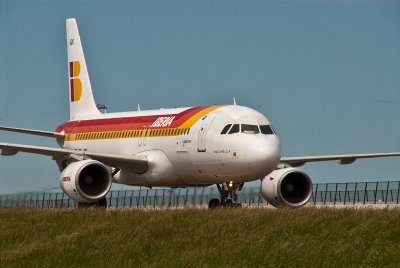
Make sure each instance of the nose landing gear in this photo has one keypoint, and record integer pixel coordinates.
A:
(227, 190)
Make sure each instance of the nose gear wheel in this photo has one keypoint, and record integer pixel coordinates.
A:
(229, 197)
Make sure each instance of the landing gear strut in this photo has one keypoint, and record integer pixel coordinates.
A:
(227, 190)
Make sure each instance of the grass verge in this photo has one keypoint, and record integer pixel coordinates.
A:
(192, 237)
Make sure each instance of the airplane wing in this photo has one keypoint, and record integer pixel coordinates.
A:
(133, 163)
(342, 159)
(33, 132)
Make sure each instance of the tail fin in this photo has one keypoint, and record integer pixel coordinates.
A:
(80, 91)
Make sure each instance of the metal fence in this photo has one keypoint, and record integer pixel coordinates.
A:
(383, 192)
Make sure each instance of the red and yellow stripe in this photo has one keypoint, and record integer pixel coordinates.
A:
(133, 127)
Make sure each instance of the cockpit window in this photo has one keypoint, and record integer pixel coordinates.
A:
(266, 129)
(226, 128)
(234, 129)
(250, 129)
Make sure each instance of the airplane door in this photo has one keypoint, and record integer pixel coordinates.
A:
(205, 125)
(142, 137)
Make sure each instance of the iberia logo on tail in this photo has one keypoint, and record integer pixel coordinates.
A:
(75, 83)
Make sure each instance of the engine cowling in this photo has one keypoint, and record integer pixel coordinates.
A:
(86, 181)
(288, 186)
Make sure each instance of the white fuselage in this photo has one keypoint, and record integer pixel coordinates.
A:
(198, 156)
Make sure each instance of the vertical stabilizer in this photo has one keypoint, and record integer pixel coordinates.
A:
(80, 91)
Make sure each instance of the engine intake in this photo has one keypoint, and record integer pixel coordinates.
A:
(288, 186)
(86, 181)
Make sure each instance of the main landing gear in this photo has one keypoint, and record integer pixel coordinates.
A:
(102, 203)
(227, 190)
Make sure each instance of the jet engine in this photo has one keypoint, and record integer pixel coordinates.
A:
(288, 186)
(86, 181)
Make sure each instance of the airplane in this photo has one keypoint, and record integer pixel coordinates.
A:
(223, 145)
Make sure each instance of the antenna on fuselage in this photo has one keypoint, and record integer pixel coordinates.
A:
(102, 107)
(234, 101)
(138, 107)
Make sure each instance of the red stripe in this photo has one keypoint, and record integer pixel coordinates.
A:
(126, 123)
(72, 89)
(71, 69)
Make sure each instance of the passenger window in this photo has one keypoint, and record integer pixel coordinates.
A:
(226, 128)
(250, 129)
(234, 129)
(266, 129)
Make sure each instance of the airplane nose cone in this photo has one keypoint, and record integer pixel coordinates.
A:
(263, 155)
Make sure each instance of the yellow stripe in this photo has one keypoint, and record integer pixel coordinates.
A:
(192, 120)
(126, 134)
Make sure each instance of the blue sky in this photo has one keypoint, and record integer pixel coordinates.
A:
(325, 73)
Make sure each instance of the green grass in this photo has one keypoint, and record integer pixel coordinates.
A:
(222, 237)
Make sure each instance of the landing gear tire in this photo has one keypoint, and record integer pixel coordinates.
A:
(228, 202)
(102, 203)
(227, 190)
(214, 203)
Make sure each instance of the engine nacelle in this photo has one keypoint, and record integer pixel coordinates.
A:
(86, 181)
(288, 186)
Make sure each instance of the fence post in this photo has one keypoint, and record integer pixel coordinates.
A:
(387, 190)
(130, 202)
(186, 196)
(144, 198)
(365, 191)
(316, 194)
(163, 195)
(138, 199)
(194, 196)
(391, 195)
(170, 197)
(117, 198)
(334, 201)
(355, 192)
(23, 202)
(345, 194)
(62, 200)
(177, 198)
(155, 199)
(376, 192)
(326, 192)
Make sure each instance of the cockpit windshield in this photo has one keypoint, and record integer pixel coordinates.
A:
(226, 128)
(266, 129)
(247, 129)
(250, 129)
(234, 129)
